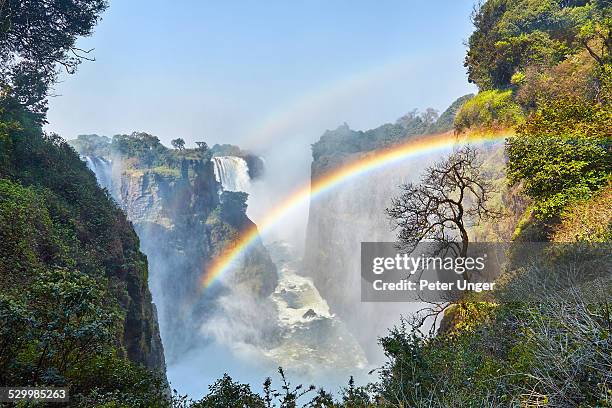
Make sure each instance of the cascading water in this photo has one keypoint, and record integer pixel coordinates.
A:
(102, 168)
(313, 341)
(232, 172)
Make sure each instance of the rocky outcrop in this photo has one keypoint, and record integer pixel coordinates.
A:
(184, 222)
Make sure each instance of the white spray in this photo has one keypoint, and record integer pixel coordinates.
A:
(102, 168)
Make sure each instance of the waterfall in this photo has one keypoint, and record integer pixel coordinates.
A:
(232, 172)
(102, 168)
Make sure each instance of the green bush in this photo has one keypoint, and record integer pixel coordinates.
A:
(561, 153)
(489, 109)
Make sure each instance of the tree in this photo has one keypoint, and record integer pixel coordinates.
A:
(73, 321)
(202, 145)
(178, 143)
(36, 36)
(430, 116)
(593, 27)
(228, 393)
(451, 192)
(513, 35)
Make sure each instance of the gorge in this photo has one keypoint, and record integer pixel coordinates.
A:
(263, 310)
(277, 306)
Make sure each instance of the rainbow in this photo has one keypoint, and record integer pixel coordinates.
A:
(371, 161)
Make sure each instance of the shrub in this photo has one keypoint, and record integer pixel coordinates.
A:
(561, 153)
(489, 109)
(589, 220)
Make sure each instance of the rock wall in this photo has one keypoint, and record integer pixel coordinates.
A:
(352, 213)
(183, 223)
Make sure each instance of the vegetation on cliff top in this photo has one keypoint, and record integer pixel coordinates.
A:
(344, 140)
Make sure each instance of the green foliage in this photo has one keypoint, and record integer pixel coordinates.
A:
(489, 109)
(227, 393)
(202, 145)
(178, 143)
(512, 35)
(110, 381)
(92, 145)
(37, 36)
(227, 150)
(233, 206)
(562, 153)
(69, 322)
(145, 148)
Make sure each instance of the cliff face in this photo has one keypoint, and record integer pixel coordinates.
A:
(142, 339)
(183, 223)
(355, 213)
(79, 237)
(337, 224)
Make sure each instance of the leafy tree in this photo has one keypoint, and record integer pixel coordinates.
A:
(92, 145)
(146, 148)
(36, 36)
(202, 145)
(227, 393)
(356, 397)
(512, 35)
(452, 192)
(593, 27)
(73, 321)
(178, 143)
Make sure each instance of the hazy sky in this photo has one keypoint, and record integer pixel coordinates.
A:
(259, 72)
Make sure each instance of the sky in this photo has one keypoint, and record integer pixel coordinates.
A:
(263, 74)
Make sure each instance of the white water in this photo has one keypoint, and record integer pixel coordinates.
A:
(232, 172)
(102, 168)
(250, 337)
(293, 328)
(314, 342)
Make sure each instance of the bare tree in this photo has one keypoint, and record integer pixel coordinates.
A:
(452, 192)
